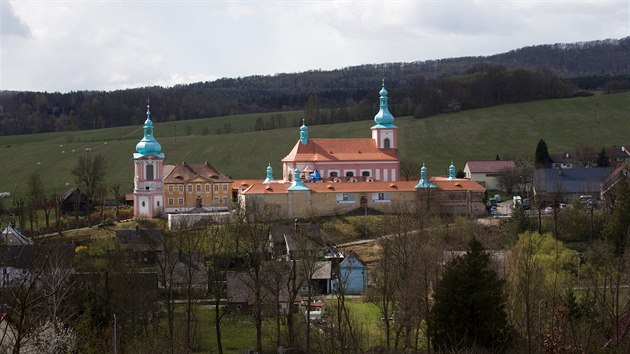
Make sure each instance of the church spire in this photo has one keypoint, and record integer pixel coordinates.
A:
(269, 178)
(383, 117)
(304, 133)
(451, 171)
(424, 182)
(148, 145)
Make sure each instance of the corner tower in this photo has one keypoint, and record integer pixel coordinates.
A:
(384, 133)
(148, 189)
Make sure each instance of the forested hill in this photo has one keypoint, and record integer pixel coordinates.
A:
(418, 88)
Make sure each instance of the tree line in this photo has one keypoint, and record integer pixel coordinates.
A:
(417, 88)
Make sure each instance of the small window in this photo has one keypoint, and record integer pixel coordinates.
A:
(190, 188)
(144, 204)
(216, 188)
(225, 187)
(216, 200)
(158, 203)
(171, 201)
(349, 174)
(150, 172)
(365, 173)
(181, 188)
(198, 188)
(334, 174)
(207, 187)
(225, 200)
(180, 201)
(386, 143)
(170, 188)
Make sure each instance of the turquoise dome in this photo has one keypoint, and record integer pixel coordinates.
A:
(383, 117)
(148, 145)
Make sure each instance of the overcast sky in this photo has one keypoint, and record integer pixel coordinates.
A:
(51, 45)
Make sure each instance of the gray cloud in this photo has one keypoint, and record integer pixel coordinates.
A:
(10, 23)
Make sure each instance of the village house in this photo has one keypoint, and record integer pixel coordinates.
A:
(485, 172)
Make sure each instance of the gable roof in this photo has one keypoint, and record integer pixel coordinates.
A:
(12, 237)
(186, 171)
(489, 166)
(332, 150)
(571, 180)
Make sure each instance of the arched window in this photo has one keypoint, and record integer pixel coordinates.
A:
(386, 143)
(365, 174)
(149, 172)
(349, 174)
(334, 174)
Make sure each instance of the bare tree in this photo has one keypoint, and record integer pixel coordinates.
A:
(90, 173)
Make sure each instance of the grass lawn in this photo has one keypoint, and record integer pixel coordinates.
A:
(509, 130)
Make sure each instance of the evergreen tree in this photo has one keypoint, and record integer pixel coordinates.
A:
(618, 227)
(542, 159)
(602, 159)
(469, 310)
(519, 222)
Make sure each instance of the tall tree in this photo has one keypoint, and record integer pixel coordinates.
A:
(542, 158)
(602, 159)
(469, 310)
(90, 173)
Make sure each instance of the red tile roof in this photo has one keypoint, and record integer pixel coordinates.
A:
(368, 187)
(187, 171)
(340, 150)
(492, 166)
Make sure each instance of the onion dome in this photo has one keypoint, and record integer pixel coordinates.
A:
(269, 178)
(148, 145)
(297, 184)
(304, 133)
(384, 118)
(424, 182)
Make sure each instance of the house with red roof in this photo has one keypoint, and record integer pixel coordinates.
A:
(485, 172)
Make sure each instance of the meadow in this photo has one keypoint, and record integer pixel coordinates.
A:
(511, 131)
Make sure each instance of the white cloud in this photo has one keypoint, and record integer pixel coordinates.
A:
(108, 45)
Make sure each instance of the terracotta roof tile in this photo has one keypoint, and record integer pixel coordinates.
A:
(187, 171)
(340, 150)
(368, 187)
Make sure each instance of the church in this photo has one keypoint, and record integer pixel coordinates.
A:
(351, 160)
(319, 177)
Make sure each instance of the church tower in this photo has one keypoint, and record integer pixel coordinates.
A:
(384, 133)
(148, 190)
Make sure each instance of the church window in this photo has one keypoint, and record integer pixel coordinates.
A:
(349, 174)
(386, 143)
(149, 172)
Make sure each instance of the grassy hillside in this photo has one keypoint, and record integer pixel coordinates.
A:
(509, 130)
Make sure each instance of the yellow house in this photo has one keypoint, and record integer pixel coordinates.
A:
(192, 186)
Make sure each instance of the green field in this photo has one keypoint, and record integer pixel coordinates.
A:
(512, 131)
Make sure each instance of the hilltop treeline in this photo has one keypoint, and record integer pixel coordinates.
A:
(419, 89)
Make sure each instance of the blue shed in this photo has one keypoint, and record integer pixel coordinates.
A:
(352, 275)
